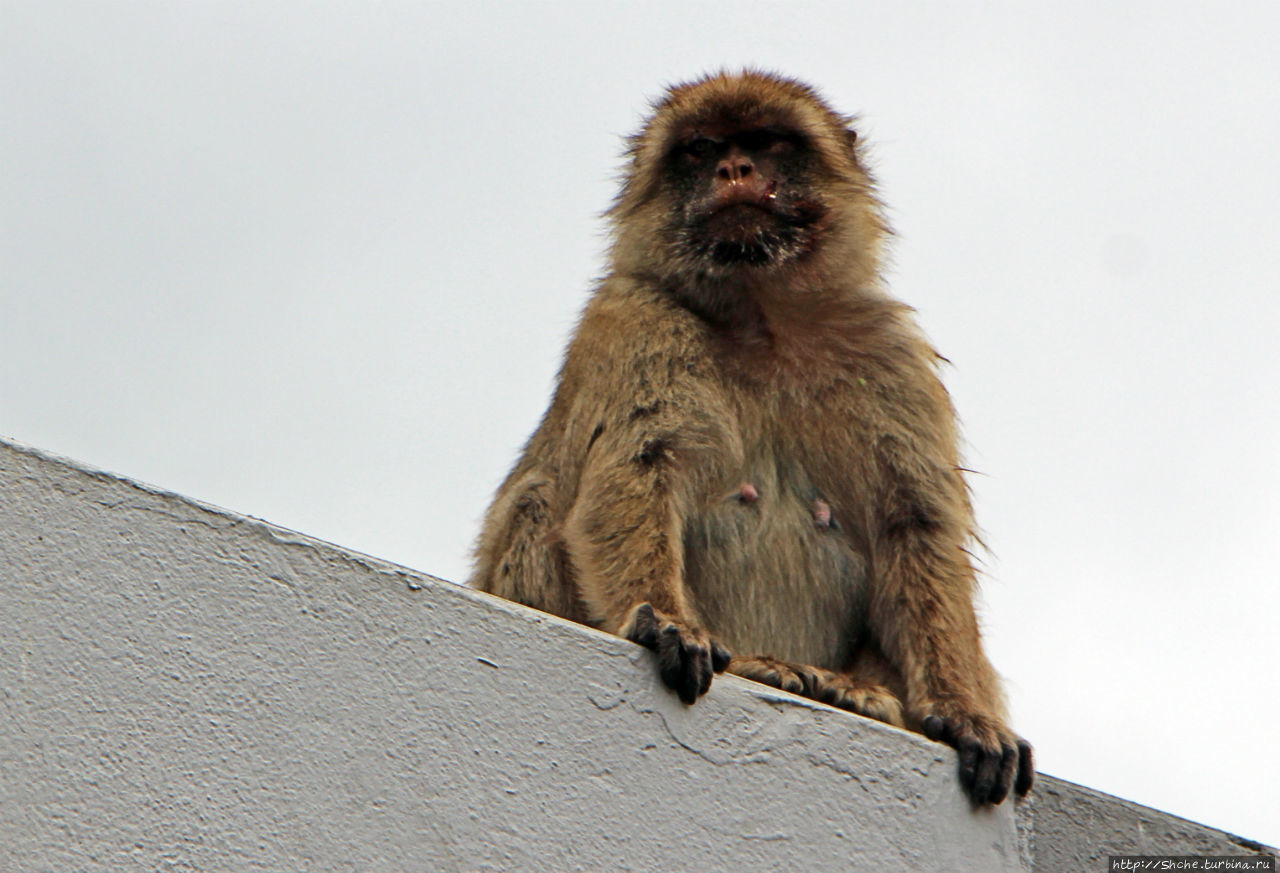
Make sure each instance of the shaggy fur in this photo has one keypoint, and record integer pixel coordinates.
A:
(757, 452)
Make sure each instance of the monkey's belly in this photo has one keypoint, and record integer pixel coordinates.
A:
(769, 578)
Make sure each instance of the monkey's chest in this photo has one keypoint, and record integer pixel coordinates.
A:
(773, 571)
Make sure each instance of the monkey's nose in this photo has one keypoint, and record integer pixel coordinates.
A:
(734, 168)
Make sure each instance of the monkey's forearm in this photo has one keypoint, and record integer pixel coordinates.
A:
(624, 539)
(922, 604)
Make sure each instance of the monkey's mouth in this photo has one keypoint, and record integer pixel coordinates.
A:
(741, 221)
(751, 229)
(742, 234)
(751, 233)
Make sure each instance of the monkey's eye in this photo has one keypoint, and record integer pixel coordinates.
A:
(775, 142)
(701, 147)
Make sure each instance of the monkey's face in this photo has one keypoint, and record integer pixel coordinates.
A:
(743, 180)
(743, 196)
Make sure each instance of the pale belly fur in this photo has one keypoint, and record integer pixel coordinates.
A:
(748, 562)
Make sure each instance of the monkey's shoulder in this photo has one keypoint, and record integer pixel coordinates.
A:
(626, 308)
(629, 335)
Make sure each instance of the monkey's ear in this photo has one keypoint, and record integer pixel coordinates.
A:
(851, 137)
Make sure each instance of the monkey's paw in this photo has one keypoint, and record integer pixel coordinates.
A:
(687, 656)
(992, 758)
(836, 689)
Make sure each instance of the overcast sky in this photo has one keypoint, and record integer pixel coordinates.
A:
(318, 263)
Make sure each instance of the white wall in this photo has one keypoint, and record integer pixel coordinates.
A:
(188, 689)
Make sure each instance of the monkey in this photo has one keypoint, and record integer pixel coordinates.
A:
(749, 448)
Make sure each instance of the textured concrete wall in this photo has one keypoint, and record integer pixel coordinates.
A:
(188, 689)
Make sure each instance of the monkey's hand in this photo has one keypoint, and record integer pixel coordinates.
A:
(992, 758)
(836, 689)
(687, 656)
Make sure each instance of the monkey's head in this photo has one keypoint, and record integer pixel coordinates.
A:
(746, 177)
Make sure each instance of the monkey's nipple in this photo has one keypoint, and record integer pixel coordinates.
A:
(747, 493)
(822, 515)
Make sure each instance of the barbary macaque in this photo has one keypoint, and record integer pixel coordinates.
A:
(749, 449)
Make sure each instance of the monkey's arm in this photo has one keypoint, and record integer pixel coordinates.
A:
(657, 429)
(624, 538)
(922, 608)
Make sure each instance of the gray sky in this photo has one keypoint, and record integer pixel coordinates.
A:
(317, 263)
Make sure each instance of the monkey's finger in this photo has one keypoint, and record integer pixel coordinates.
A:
(720, 657)
(1026, 768)
(789, 681)
(697, 664)
(682, 664)
(986, 775)
(935, 728)
(769, 672)
(813, 685)
(1007, 768)
(644, 627)
(671, 663)
(700, 662)
(969, 751)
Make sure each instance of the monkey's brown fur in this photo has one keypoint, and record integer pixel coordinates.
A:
(749, 445)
